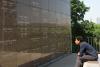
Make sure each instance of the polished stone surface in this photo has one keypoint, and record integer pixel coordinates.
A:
(34, 26)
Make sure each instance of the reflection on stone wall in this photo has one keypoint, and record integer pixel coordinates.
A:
(31, 29)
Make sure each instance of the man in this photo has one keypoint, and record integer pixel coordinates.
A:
(86, 52)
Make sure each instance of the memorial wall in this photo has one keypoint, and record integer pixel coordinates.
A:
(33, 29)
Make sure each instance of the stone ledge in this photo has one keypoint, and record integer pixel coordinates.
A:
(91, 64)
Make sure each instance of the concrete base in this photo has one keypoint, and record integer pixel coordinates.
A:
(92, 64)
(99, 58)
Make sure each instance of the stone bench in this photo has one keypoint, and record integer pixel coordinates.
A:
(92, 63)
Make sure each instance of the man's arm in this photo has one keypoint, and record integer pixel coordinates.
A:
(82, 48)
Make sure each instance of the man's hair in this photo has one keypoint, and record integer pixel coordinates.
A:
(79, 38)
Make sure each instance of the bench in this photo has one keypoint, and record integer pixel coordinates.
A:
(92, 63)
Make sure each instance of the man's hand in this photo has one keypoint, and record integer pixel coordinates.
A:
(78, 53)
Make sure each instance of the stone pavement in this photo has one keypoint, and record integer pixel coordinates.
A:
(66, 61)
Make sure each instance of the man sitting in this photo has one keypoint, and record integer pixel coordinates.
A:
(86, 52)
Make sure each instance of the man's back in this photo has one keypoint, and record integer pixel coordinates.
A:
(87, 49)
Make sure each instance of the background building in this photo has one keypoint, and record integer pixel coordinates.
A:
(98, 20)
(33, 32)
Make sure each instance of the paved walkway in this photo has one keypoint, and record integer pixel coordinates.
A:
(66, 61)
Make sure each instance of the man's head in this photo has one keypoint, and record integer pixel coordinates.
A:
(78, 39)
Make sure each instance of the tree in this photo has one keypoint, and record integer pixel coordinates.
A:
(97, 30)
(88, 28)
(78, 10)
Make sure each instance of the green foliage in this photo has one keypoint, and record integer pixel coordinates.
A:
(97, 30)
(78, 10)
(79, 25)
(88, 28)
(97, 26)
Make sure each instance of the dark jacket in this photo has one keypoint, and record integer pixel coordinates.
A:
(87, 49)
